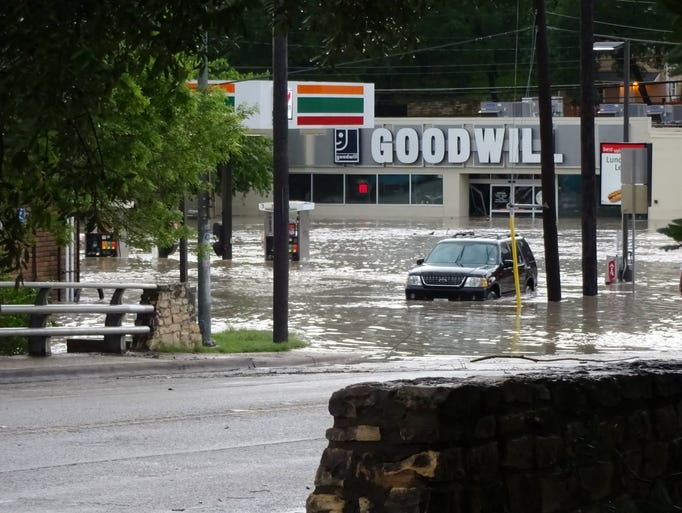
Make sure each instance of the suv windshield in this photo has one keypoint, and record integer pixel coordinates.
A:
(464, 254)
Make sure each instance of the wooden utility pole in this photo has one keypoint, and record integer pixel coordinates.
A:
(280, 139)
(548, 178)
(587, 154)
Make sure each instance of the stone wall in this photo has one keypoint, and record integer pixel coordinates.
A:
(174, 321)
(588, 441)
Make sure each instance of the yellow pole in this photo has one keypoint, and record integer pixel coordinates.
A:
(514, 258)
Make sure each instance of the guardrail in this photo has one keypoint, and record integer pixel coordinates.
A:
(114, 331)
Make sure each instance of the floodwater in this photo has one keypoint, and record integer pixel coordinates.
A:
(349, 294)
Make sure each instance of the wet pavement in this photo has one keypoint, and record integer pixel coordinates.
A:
(348, 296)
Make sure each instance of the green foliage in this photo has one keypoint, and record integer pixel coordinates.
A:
(675, 55)
(96, 123)
(471, 50)
(243, 341)
(10, 346)
(674, 231)
(250, 341)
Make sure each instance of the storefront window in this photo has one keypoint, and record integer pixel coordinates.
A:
(327, 188)
(427, 189)
(523, 195)
(479, 200)
(300, 187)
(394, 189)
(361, 189)
(500, 197)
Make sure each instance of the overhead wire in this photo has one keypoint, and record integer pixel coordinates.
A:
(532, 59)
(460, 69)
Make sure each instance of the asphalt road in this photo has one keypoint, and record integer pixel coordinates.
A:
(246, 441)
(249, 444)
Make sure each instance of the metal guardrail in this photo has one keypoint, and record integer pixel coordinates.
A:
(114, 332)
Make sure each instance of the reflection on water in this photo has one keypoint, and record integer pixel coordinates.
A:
(349, 295)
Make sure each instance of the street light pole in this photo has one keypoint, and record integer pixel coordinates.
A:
(203, 255)
(627, 272)
(626, 91)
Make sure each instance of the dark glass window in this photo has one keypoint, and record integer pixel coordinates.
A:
(500, 197)
(327, 188)
(427, 189)
(300, 187)
(479, 199)
(361, 189)
(394, 189)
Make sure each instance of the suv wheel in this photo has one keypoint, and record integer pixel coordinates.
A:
(492, 294)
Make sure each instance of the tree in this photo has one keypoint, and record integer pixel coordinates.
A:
(674, 231)
(470, 50)
(95, 120)
(647, 23)
(85, 133)
(675, 55)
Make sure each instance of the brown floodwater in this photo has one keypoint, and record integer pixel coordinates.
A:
(349, 294)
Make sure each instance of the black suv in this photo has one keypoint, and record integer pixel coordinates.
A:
(467, 266)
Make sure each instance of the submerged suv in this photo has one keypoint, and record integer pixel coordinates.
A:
(467, 266)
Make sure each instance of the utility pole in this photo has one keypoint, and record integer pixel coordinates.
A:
(203, 255)
(548, 177)
(183, 242)
(587, 154)
(225, 235)
(280, 140)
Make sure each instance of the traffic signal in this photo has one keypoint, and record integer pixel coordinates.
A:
(219, 245)
(363, 188)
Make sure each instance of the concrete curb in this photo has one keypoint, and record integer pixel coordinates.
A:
(25, 369)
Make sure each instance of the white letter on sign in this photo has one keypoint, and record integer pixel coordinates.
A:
(513, 143)
(382, 147)
(459, 145)
(433, 145)
(527, 154)
(489, 142)
(407, 145)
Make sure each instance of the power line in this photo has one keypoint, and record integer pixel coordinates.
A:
(617, 25)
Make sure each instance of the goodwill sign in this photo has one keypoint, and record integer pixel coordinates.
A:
(456, 145)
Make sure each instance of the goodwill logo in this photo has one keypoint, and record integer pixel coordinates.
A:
(346, 146)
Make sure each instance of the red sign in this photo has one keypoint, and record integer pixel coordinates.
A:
(611, 271)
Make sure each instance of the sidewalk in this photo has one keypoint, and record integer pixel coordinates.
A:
(23, 369)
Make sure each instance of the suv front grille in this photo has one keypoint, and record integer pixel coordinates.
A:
(443, 279)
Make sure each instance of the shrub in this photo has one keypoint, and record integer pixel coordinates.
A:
(10, 346)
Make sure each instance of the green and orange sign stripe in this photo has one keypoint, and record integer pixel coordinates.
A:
(330, 104)
(227, 87)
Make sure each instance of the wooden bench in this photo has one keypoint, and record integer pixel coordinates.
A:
(114, 331)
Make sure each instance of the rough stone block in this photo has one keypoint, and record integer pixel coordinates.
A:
(335, 466)
(666, 423)
(483, 462)
(324, 503)
(519, 453)
(484, 427)
(596, 479)
(360, 433)
(548, 451)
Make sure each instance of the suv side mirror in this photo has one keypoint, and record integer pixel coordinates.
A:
(508, 263)
(420, 261)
